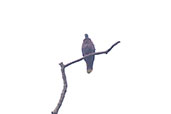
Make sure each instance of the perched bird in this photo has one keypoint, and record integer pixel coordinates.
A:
(87, 48)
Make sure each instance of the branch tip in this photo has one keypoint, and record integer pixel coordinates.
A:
(61, 64)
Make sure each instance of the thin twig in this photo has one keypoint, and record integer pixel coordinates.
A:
(96, 53)
(64, 76)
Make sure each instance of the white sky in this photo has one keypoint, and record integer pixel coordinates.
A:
(134, 78)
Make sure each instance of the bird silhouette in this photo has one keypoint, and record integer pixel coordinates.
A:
(87, 48)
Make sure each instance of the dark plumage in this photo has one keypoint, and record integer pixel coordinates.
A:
(87, 48)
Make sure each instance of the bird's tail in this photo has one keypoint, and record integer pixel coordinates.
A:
(89, 68)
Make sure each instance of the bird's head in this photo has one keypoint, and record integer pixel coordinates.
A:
(86, 35)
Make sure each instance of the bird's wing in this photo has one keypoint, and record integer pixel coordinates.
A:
(87, 47)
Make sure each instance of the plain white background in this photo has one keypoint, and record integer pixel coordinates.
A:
(134, 78)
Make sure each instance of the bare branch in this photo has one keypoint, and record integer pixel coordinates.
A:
(63, 91)
(96, 53)
(64, 76)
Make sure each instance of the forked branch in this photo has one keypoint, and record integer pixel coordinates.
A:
(55, 111)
